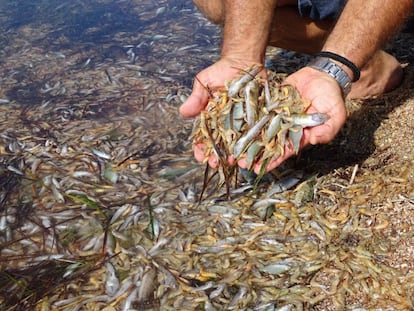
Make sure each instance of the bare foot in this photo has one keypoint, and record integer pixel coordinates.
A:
(382, 74)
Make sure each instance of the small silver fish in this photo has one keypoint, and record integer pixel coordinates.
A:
(308, 119)
(236, 85)
(245, 140)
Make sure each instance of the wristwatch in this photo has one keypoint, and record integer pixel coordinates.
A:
(324, 64)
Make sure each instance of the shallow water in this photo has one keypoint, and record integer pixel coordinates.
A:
(168, 40)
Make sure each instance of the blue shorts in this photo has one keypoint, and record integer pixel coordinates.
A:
(321, 9)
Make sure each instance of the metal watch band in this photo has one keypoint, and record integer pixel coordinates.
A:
(326, 65)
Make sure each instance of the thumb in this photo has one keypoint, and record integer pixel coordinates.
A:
(195, 102)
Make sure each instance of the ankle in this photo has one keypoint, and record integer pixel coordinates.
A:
(382, 74)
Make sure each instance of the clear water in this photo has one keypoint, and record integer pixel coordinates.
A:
(170, 40)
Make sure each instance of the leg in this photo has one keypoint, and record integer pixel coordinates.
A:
(306, 36)
(293, 32)
(382, 74)
(212, 9)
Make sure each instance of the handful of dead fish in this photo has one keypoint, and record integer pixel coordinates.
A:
(253, 118)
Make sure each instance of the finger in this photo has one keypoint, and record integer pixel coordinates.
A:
(195, 102)
(199, 155)
(323, 133)
(242, 163)
(270, 166)
(319, 136)
(213, 161)
(198, 150)
(289, 152)
(231, 160)
(257, 167)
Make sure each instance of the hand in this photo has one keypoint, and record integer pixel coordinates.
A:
(325, 95)
(211, 79)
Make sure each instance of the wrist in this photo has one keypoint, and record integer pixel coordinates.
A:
(246, 29)
(245, 55)
(348, 71)
(242, 61)
(349, 67)
(330, 67)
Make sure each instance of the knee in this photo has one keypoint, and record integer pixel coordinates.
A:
(211, 9)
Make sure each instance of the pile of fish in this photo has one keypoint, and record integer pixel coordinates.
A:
(254, 119)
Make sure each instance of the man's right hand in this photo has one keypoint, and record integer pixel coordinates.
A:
(209, 80)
